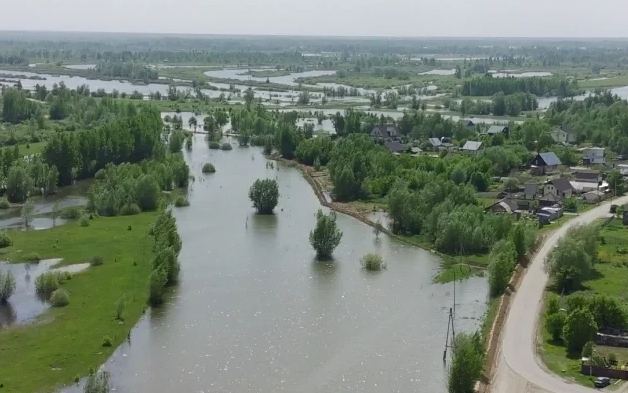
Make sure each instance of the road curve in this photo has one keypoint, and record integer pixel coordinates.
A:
(518, 370)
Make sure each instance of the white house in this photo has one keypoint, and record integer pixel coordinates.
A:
(564, 134)
(593, 155)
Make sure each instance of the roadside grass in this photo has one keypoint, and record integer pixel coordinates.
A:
(489, 317)
(65, 342)
(610, 278)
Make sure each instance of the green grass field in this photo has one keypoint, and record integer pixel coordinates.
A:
(601, 83)
(611, 278)
(32, 148)
(65, 342)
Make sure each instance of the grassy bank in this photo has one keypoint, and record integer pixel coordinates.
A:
(610, 278)
(602, 83)
(27, 149)
(65, 342)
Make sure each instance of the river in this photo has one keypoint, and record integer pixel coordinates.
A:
(255, 312)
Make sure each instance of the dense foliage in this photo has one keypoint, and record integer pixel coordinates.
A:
(467, 361)
(165, 263)
(7, 286)
(552, 86)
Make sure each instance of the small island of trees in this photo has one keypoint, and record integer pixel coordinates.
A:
(326, 236)
(265, 195)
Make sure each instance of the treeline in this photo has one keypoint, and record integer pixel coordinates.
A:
(499, 105)
(79, 155)
(21, 178)
(132, 71)
(550, 86)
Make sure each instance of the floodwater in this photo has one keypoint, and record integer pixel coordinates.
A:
(24, 306)
(80, 66)
(289, 80)
(256, 312)
(516, 74)
(439, 72)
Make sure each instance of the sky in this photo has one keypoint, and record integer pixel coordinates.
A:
(409, 18)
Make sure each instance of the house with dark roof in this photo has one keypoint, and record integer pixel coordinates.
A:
(544, 163)
(561, 188)
(386, 131)
(531, 191)
(564, 134)
(588, 176)
(435, 142)
(472, 147)
(507, 206)
(396, 147)
(494, 130)
(467, 123)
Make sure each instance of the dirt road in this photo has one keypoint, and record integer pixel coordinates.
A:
(518, 369)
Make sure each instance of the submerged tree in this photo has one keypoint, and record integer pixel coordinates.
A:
(326, 236)
(265, 195)
(7, 286)
(97, 382)
(27, 212)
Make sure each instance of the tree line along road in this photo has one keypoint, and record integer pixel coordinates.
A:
(518, 368)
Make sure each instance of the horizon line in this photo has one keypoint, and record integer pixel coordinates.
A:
(235, 35)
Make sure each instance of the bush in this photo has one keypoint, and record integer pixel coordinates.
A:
(46, 284)
(130, 210)
(157, 285)
(226, 147)
(181, 202)
(71, 213)
(60, 298)
(373, 262)
(554, 324)
(32, 257)
(579, 327)
(96, 260)
(106, 341)
(84, 221)
(209, 168)
(7, 286)
(120, 305)
(326, 236)
(214, 145)
(265, 195)
(4, 203)
(5, 240)
(97, 383)
(587, 350)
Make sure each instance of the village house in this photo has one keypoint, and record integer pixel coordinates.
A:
(396, 147)
(507, 206)
(593, 155)
(564, 134)
(472, 147)
(386, 132)
(468, 124)
(594, 197)
(544, 163)
(561, 188)
(494, 130)
(532, 191)
(586, 181)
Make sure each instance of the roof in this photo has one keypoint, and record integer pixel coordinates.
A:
(496, 130)
(566, 128)
(467, 123)
(531, 188)
(395, 147)
(550, 198)
(550, 158)
(590, 176)
(594, 149)
(416, 150)
(385, 131)
(507, 204)
(562, 184)
(472, 146)
(435, 142)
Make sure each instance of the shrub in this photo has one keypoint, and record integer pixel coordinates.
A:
(373, 262)
(5, 240)
(587, 350)
(579, 327)
(181, 202)
(71, 213)
(157, 285)
(7, 286)
(97, 383)
(130, 210)
(120, 305)
(96, 260)
(84, 221)
(4, 203)
(106, 341)
(554, 324)
(209, 168)
(214, 145)
(32, 257)
(46, 283)
(60, 298)
(265, 195)
(226, 146)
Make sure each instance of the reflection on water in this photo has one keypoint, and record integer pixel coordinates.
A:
(255, 312)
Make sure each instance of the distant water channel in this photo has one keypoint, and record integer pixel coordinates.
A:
(255, 312)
